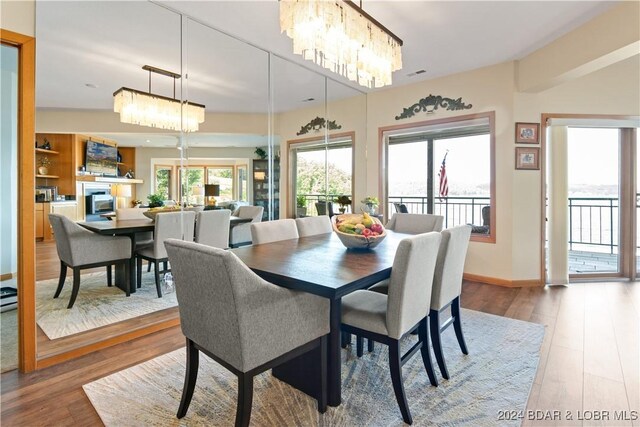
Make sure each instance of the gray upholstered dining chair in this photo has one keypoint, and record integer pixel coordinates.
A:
(389, 318)
(79, 248)
(241, 233)
(447, 287)
(415, 223)
(169, 225)
(312, 225)
(273, 231)
(212, 228)
(241, 321)
(142, 239)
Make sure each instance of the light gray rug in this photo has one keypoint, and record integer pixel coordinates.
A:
(8, 340)
(497, 375)
(96, 305)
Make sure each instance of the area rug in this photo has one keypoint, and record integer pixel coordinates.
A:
(96, 305)
(496, 376)
(8, 340)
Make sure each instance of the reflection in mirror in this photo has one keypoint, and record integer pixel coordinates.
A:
(88, 179)
(8, 213)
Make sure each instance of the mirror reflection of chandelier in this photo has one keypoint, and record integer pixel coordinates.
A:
(340, 36)
(148, 109)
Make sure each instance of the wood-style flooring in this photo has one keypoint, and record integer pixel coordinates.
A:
(589, 359)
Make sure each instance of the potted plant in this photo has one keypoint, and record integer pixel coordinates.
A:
(155, 200)
(44, 163)
(301, 206)
(261, 153)
(371, 203)
(343, 201)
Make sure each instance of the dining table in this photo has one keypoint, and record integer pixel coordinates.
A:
(130, 228)
(323, 266)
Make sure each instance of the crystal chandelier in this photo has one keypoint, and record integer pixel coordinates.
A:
(340, 36)
(148, 109)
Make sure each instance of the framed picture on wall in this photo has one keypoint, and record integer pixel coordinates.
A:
(527, 133)
(527, 158)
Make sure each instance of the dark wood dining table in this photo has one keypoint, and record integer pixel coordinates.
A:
(320, 265)
(130, 228)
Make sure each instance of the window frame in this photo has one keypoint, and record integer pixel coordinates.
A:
(385, 132)
(170, 187)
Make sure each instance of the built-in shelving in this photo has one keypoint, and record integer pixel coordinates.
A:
(47, 176)
(43, 151)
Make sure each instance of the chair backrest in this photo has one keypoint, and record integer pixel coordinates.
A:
(212, 228)
(400, 207)
(447, 281)
(325, 208)
(411, 281)
(64, 230)
(172, 225)
(253, 212)
(124, 214)
(312, 225)
(212, 286)
(486, 215)
(415, 223)
(272, 231)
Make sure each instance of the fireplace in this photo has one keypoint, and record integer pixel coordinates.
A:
(99, 203)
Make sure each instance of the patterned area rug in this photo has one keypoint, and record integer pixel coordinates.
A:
(96, 305)
(497, 375)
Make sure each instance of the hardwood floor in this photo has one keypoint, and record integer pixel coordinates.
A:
(589, 361)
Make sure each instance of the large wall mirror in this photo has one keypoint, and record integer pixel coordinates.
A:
(94, 168)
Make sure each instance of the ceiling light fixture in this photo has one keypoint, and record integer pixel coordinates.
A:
(148, 109)
(340, 36)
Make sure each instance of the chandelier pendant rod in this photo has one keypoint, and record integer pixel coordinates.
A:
(373, 20)
(167, 73)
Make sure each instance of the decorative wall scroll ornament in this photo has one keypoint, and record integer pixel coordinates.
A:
(317, 124)
(432, 103)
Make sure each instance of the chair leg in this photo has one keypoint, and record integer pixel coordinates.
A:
(76, 287)
(156, 268)
(63, 277)
(345, 339)
(138, 272)
(359, 345)
(109, 277)
(165, 266)
(322, 401)
(190, 377)
(370, 345)
(423, 333)
(149, 267)
(434, 325)
(127, 277)
(245, 399)
(395, 367)
(457, 324)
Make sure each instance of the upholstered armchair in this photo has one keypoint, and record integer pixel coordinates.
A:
(241, 233)
(241, 321)
(79, 248)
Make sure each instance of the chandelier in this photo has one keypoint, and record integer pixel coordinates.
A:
(340, 36)
(148, 109)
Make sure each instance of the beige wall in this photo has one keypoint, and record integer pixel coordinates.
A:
(18, 16)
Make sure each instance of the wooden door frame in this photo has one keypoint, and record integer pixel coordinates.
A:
(544, 119)
(26, 198)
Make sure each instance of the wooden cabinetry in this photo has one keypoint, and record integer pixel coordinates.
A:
(61, 172)
(261, 187)
(43, 227)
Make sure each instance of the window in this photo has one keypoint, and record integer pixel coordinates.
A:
(189, 178)
(243, 180)
(163, 181)
(444, 167)
(223, 176)
(322, 172)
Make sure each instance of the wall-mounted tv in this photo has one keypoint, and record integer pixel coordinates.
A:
(101, 158)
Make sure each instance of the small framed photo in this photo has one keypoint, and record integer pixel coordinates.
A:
(527, 158)
(527, 133)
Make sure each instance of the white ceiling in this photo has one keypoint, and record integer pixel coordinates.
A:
(105, 44)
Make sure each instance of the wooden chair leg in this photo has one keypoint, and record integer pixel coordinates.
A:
(245, 400)
(156, 268)
(434, 325)
(359, 345)
(76, 287)
(457, 324)
(190, 377)
(370, 345)
(63, 277)
(322, 401)
(138, 272)
(395, 367)
(109, 277)
(423, 333)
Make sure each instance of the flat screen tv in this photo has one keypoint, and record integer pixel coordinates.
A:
(101, 158)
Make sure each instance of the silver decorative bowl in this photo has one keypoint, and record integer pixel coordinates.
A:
(357, 241)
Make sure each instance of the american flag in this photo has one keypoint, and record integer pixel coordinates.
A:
(444, 184)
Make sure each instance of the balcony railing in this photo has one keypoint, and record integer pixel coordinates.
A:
(455, 210)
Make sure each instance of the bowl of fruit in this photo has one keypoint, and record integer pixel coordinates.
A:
(358, 231)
